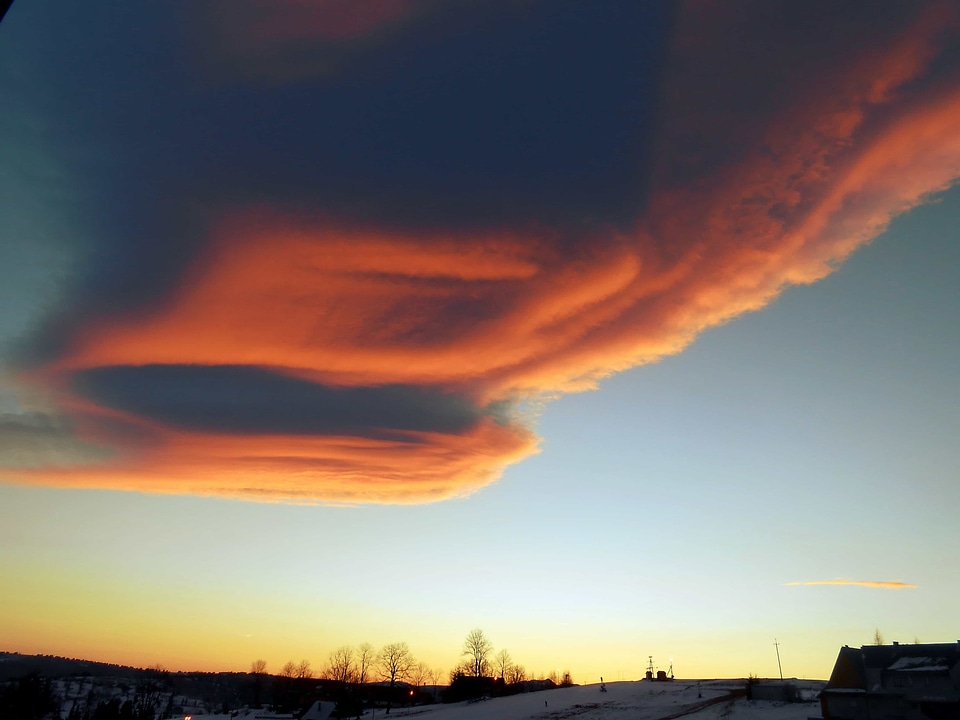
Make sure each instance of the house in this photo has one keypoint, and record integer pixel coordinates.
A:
(894, 682)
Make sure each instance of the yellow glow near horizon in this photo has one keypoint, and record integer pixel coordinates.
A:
(85, 613)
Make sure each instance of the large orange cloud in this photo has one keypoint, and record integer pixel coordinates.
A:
(510, 313)
(415, 468)
(498, 316)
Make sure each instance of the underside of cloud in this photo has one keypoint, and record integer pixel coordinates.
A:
(300, 354)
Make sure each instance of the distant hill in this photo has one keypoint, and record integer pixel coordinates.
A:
(87, 684)
(15, 665)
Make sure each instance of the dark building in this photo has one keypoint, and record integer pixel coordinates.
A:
(894, 682)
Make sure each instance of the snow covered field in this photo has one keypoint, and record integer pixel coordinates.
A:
(622, 701)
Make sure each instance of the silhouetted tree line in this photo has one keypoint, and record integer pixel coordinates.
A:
(29, 698)
(148, 698)
(111, 709)
(353, 679)
(483, 674)
(146, 695)
(356, 678)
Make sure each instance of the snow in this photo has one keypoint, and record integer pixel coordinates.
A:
(919, 663)
(623, 701)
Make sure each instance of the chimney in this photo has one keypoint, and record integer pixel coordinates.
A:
(895, 643)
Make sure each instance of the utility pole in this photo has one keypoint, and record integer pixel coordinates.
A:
(777, 646)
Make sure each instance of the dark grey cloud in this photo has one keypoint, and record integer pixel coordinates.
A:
(239, 399)
(487, 114)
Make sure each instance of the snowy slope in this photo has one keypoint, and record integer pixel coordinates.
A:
(622, 701)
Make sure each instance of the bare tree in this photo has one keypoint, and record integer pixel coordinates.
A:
(419, 674)
(435, 676)
(284, 686)
(258, 668)
(461, 670)
(303, 669)
(518, 673)
(149, 689)
(366, 657)
(477, 648)
(340, 666)
(394, 662)
(502, 663)
(877, 637)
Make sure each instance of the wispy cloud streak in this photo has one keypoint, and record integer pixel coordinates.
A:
(880, 584)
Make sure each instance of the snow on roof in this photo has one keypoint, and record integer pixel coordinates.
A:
(924, 664)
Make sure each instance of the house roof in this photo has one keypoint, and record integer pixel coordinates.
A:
(850, 670)
(926, 656)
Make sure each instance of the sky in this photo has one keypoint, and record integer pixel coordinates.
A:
(615, 331)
